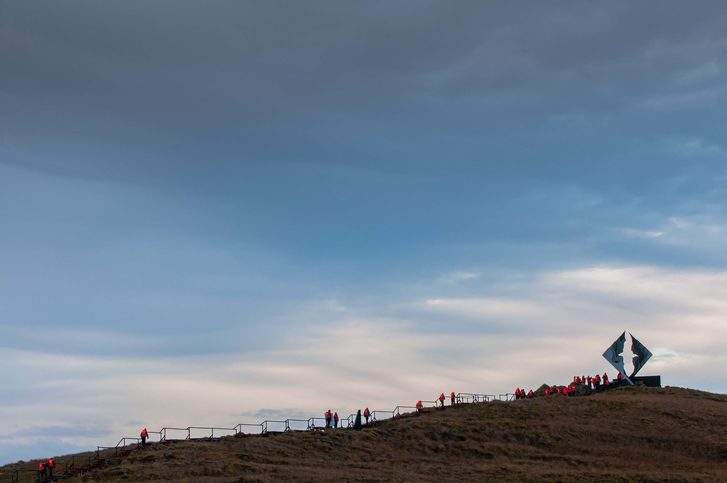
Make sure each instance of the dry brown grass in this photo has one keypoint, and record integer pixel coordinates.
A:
(632, 434)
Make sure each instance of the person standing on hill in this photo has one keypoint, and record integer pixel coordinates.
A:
(441, 399)
(51, 466)
(42, 474)
(357, 423)
(144, 435)
(335, 419)
(366, 415)
(419, 406)
(328, 419)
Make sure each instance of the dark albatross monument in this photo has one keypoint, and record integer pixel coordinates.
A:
(614, 355)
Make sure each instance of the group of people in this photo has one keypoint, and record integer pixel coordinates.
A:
(520, 393)
(439, 402)
(332, 418)
(45, 470)
(331, 421)
(596, 383)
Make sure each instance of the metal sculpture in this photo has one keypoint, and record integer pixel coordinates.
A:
(614, 356)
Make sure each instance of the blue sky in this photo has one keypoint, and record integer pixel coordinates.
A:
(213, 211)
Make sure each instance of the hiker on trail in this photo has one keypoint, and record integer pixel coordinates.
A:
(51, 466)
(589, 380)
(328, 419)
(42, 475)
(366, 415)
(530, 394)
(451, 397)
(619, 376)
(357, 423)
(441, 399)
(335, 419)
(144, 434)
(419, 406)
(605, 378)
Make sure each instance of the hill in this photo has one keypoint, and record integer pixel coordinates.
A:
(625, 434)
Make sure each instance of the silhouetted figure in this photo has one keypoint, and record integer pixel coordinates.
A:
(451, 397)
(335, 419)
(144, 435)
(357, 423)
(328, 419)
(366, 415)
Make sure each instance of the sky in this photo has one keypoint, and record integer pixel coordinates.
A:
(219, 212)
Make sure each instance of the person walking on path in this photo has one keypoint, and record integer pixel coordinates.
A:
(357, 423)
(451, 397)
(42, 474)
(441, 399)
(51, 466)
(335, 419)
(419, 406)
(366, 415)
(144, 435)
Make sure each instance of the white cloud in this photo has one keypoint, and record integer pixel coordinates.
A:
(455, 277)
(544, 328)
(637, 233)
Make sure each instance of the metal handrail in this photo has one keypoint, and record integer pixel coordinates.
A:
(211, 429)
(374, 412)
(164, 437)
(265, 425)
(311, 423)
(397, 410)
(239, 427)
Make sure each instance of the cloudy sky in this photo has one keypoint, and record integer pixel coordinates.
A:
(216, 212)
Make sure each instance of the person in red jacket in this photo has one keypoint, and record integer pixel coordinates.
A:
(530, 394)
(419, 406)
(42, 474)
(335, 419)
(144, 434)
(328, 419)
(452, 397)
(366, 415)
(51, 466)
(441, 399)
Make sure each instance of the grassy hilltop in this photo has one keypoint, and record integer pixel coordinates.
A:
(621, 435)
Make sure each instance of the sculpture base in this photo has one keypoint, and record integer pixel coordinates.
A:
(648, 381)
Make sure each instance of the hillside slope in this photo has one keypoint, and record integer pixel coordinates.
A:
(624, 434)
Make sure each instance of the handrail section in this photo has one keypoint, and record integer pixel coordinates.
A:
(265, 427)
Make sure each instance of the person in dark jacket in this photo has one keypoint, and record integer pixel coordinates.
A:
(357, 423)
